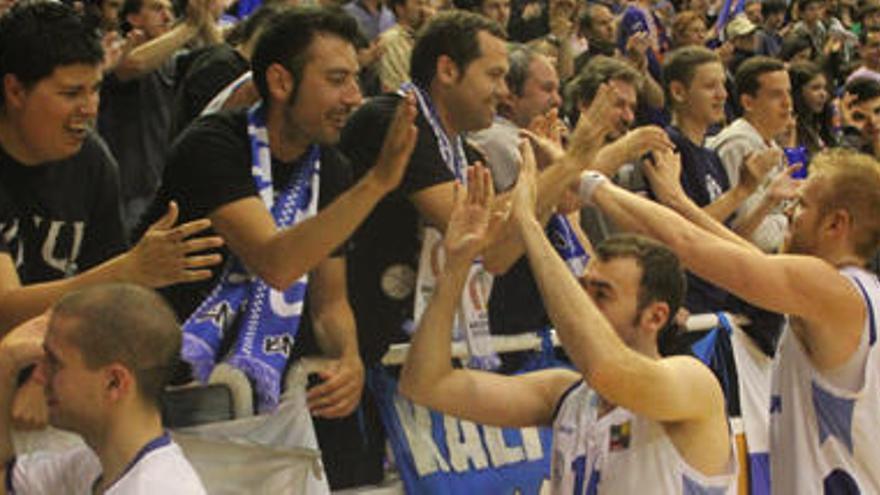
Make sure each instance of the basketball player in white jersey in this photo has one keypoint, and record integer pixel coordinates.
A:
(825, 404)
(627, 420)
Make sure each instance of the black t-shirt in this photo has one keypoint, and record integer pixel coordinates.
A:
(384, 262)
(61, 218)
(134, 119)
(205, 73)
(210, 166)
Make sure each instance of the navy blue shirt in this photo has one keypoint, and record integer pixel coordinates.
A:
(703, 179)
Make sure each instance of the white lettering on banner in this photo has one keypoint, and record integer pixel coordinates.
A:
(464, 444)
(499, 451)
(532, 443)
(416, 423)
(470, 446)
(281, 307)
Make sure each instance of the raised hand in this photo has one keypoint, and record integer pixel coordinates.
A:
(593, 126)
(664, 175)
(784, 187)
(525, 194)
(400, 140)
(634, 144)
(756, 167)
(473, 221)
(166, 255)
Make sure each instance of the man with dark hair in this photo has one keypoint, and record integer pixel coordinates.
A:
(596, 25)
(810, 23)
(104, 356)
(764, 93)
(204, 72)
(825, 397)
(397, 42)
(860, 115)
(458, 69)
(497, 10)
(869, 54)
(609, 414)
(59, 195)
(137, 95)
(281, 196)
(770, 37)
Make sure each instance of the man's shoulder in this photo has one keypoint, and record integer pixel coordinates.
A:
(68, 471)
(227, 125)
(740, 133)
(165, 469)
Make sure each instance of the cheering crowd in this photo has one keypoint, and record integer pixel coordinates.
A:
(211, 191)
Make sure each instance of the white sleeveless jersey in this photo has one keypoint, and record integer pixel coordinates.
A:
(620, 453)
(825, 439)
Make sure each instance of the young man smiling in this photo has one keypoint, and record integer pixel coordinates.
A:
(281, 196)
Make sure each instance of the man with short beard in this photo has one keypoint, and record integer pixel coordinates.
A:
(825, 397)
(281, 196)
(458, 70)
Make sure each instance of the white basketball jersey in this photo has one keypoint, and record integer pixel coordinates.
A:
(620, 453)
(825, 439)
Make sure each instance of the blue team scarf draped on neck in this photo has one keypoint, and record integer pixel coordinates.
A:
(266, 320)
(567, 244)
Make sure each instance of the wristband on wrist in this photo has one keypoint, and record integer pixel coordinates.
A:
(590, 181)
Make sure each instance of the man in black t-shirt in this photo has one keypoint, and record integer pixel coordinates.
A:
(308, 84)
(59, 192)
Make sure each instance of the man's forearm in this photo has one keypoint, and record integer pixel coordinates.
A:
(552, 182)
(336, 331)
(430, 355)
(726, 205)
(20, 303)
(150, 55)
(8, 375)
(315, 238)
(571, 311)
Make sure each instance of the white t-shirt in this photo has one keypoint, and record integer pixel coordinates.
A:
(159, 468)
(621, 452)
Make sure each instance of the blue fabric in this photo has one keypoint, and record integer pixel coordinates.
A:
(425, 458)
(267, 320)
(566, 243)
(759, 473)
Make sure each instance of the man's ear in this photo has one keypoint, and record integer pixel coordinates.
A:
(447, 70)
(677, 91)
(118, 381)
(838, 222)
(279, 82)
(747, 102)
(14, 91)
(654, 317)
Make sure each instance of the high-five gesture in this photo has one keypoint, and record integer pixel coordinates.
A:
(400, 141)
(473, 221)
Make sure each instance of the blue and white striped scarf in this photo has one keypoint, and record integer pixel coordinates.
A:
(267, 320)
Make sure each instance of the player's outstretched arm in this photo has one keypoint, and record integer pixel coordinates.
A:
(428, 376)
(803, 286)
(672, 389)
